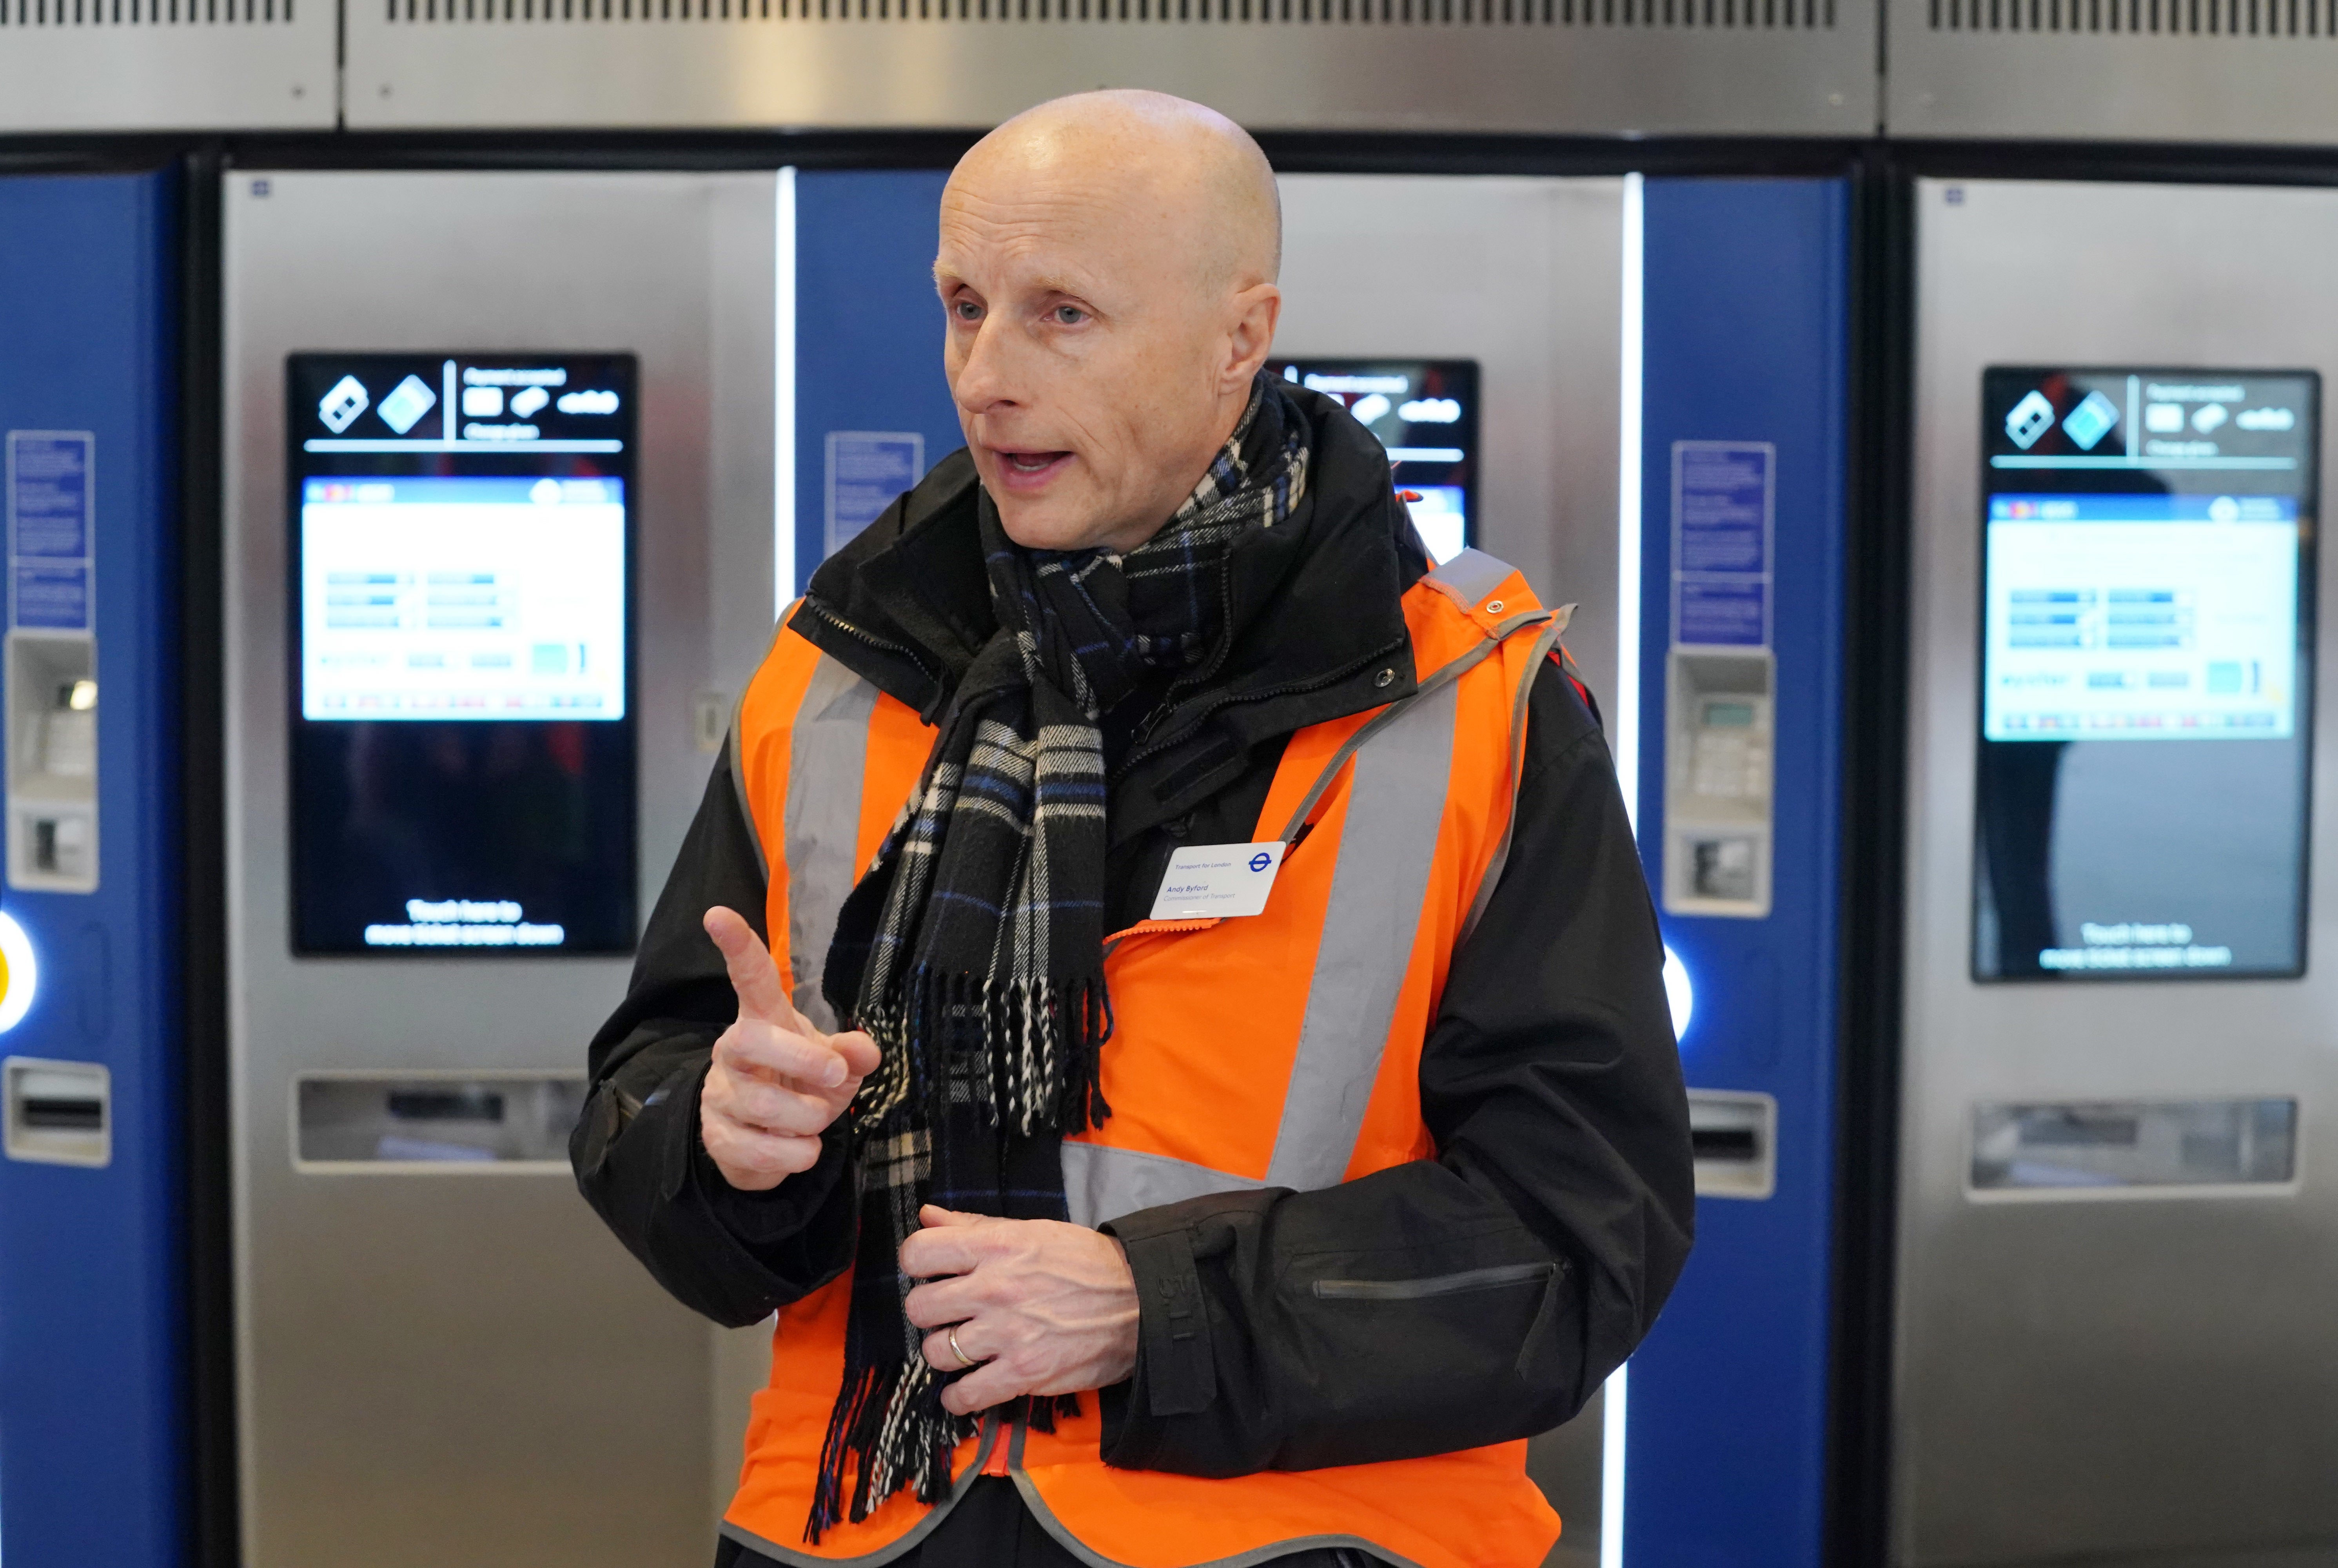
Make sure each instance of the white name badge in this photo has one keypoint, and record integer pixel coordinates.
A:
(1217, 881)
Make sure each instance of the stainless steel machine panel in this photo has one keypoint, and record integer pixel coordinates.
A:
(2114, 70)
(1528, 281)
(444, 1357)
(1525, 276)
(1778, 67)
(169, 65)
(2118, 1244)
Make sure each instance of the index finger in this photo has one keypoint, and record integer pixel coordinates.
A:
(753, 976)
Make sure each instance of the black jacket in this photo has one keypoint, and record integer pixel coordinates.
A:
(1505, 1279)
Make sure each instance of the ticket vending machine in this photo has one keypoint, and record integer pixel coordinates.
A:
(2117, 1246)
(499, 495)
(92, 1194)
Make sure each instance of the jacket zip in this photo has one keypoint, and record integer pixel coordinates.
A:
(882, 644)
(1435, 1285)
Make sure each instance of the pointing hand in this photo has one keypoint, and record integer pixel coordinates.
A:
(777, 1082)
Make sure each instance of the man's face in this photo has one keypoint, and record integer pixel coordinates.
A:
(1090, 357)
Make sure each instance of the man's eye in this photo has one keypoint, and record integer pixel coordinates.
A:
(1069, 314)
(968, 310)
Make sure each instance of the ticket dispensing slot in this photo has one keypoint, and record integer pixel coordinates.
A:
(58, 1112)
(52, 705)
(435, 1122)
(2074, 1149)
(1720, 709)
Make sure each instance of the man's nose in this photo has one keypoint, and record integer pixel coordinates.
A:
(986, 378)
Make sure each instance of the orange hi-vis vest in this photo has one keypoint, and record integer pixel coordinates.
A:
(1281, 1050)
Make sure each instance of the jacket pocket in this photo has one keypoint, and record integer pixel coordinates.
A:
(1435, 1285)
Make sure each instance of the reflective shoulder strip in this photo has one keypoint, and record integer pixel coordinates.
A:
(1469, 576)
(828, 749)
(1501, 857)
(736, 747)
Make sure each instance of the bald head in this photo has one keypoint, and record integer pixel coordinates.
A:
(1196, 167)
(1108, 264)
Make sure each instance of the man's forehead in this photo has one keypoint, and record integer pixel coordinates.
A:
(1042, 230)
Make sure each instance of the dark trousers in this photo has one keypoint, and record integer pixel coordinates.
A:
(990, 1528)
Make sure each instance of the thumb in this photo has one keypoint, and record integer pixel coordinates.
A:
(753, 976)
(934, 1217)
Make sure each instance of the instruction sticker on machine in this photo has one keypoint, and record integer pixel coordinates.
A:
(1723, 500)
(51, 530)
(1217, 881)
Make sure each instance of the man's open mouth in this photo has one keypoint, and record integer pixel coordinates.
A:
(1021, 469)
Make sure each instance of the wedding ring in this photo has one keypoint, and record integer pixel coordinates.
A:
(956, 1350)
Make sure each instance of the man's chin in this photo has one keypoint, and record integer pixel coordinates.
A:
(1048, 522)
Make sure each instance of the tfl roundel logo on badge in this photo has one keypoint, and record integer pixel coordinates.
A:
(1217, 881)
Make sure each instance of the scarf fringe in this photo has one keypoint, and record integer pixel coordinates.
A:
(892, 1421)
(1036, 1044)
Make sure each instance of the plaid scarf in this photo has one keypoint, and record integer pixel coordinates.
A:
(972, 952)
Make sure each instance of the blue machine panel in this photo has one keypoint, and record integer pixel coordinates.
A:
(1746, 300)
(90, 1296)
(871, 403)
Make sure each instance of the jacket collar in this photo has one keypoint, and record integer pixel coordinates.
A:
(1314, 607)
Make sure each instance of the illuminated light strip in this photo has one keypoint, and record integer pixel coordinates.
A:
(1627, 515)
(1611, 1465)
(1616, 1403)
(22, 973)
(783, 396)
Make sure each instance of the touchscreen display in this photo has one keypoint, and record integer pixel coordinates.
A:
(2146, 672)
(1425, 412)
(463, 754)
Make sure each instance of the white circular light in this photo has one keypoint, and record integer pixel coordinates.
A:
(23, 973)
(1679, 995)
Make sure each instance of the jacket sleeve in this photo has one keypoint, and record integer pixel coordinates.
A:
(736, 1257)
(1483, 1295)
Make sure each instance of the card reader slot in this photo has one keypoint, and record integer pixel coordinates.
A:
(1733, 1138)
(79, 1115)
(1738, 1143)
(58, 1112)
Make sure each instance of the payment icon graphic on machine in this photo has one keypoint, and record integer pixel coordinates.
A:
(343, 404)
(408, 402)
(2031, 417)
(2091, 421)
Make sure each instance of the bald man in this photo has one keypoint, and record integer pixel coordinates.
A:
(1159, 998)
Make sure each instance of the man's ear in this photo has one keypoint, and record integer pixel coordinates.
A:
(1255, 311)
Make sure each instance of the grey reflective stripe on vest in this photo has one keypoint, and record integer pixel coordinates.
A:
(828, 752)
(1103, 1184)
(1396, 808)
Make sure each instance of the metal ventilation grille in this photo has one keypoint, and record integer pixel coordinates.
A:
(142, 13)
(1717, 15)
(2187, 18)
